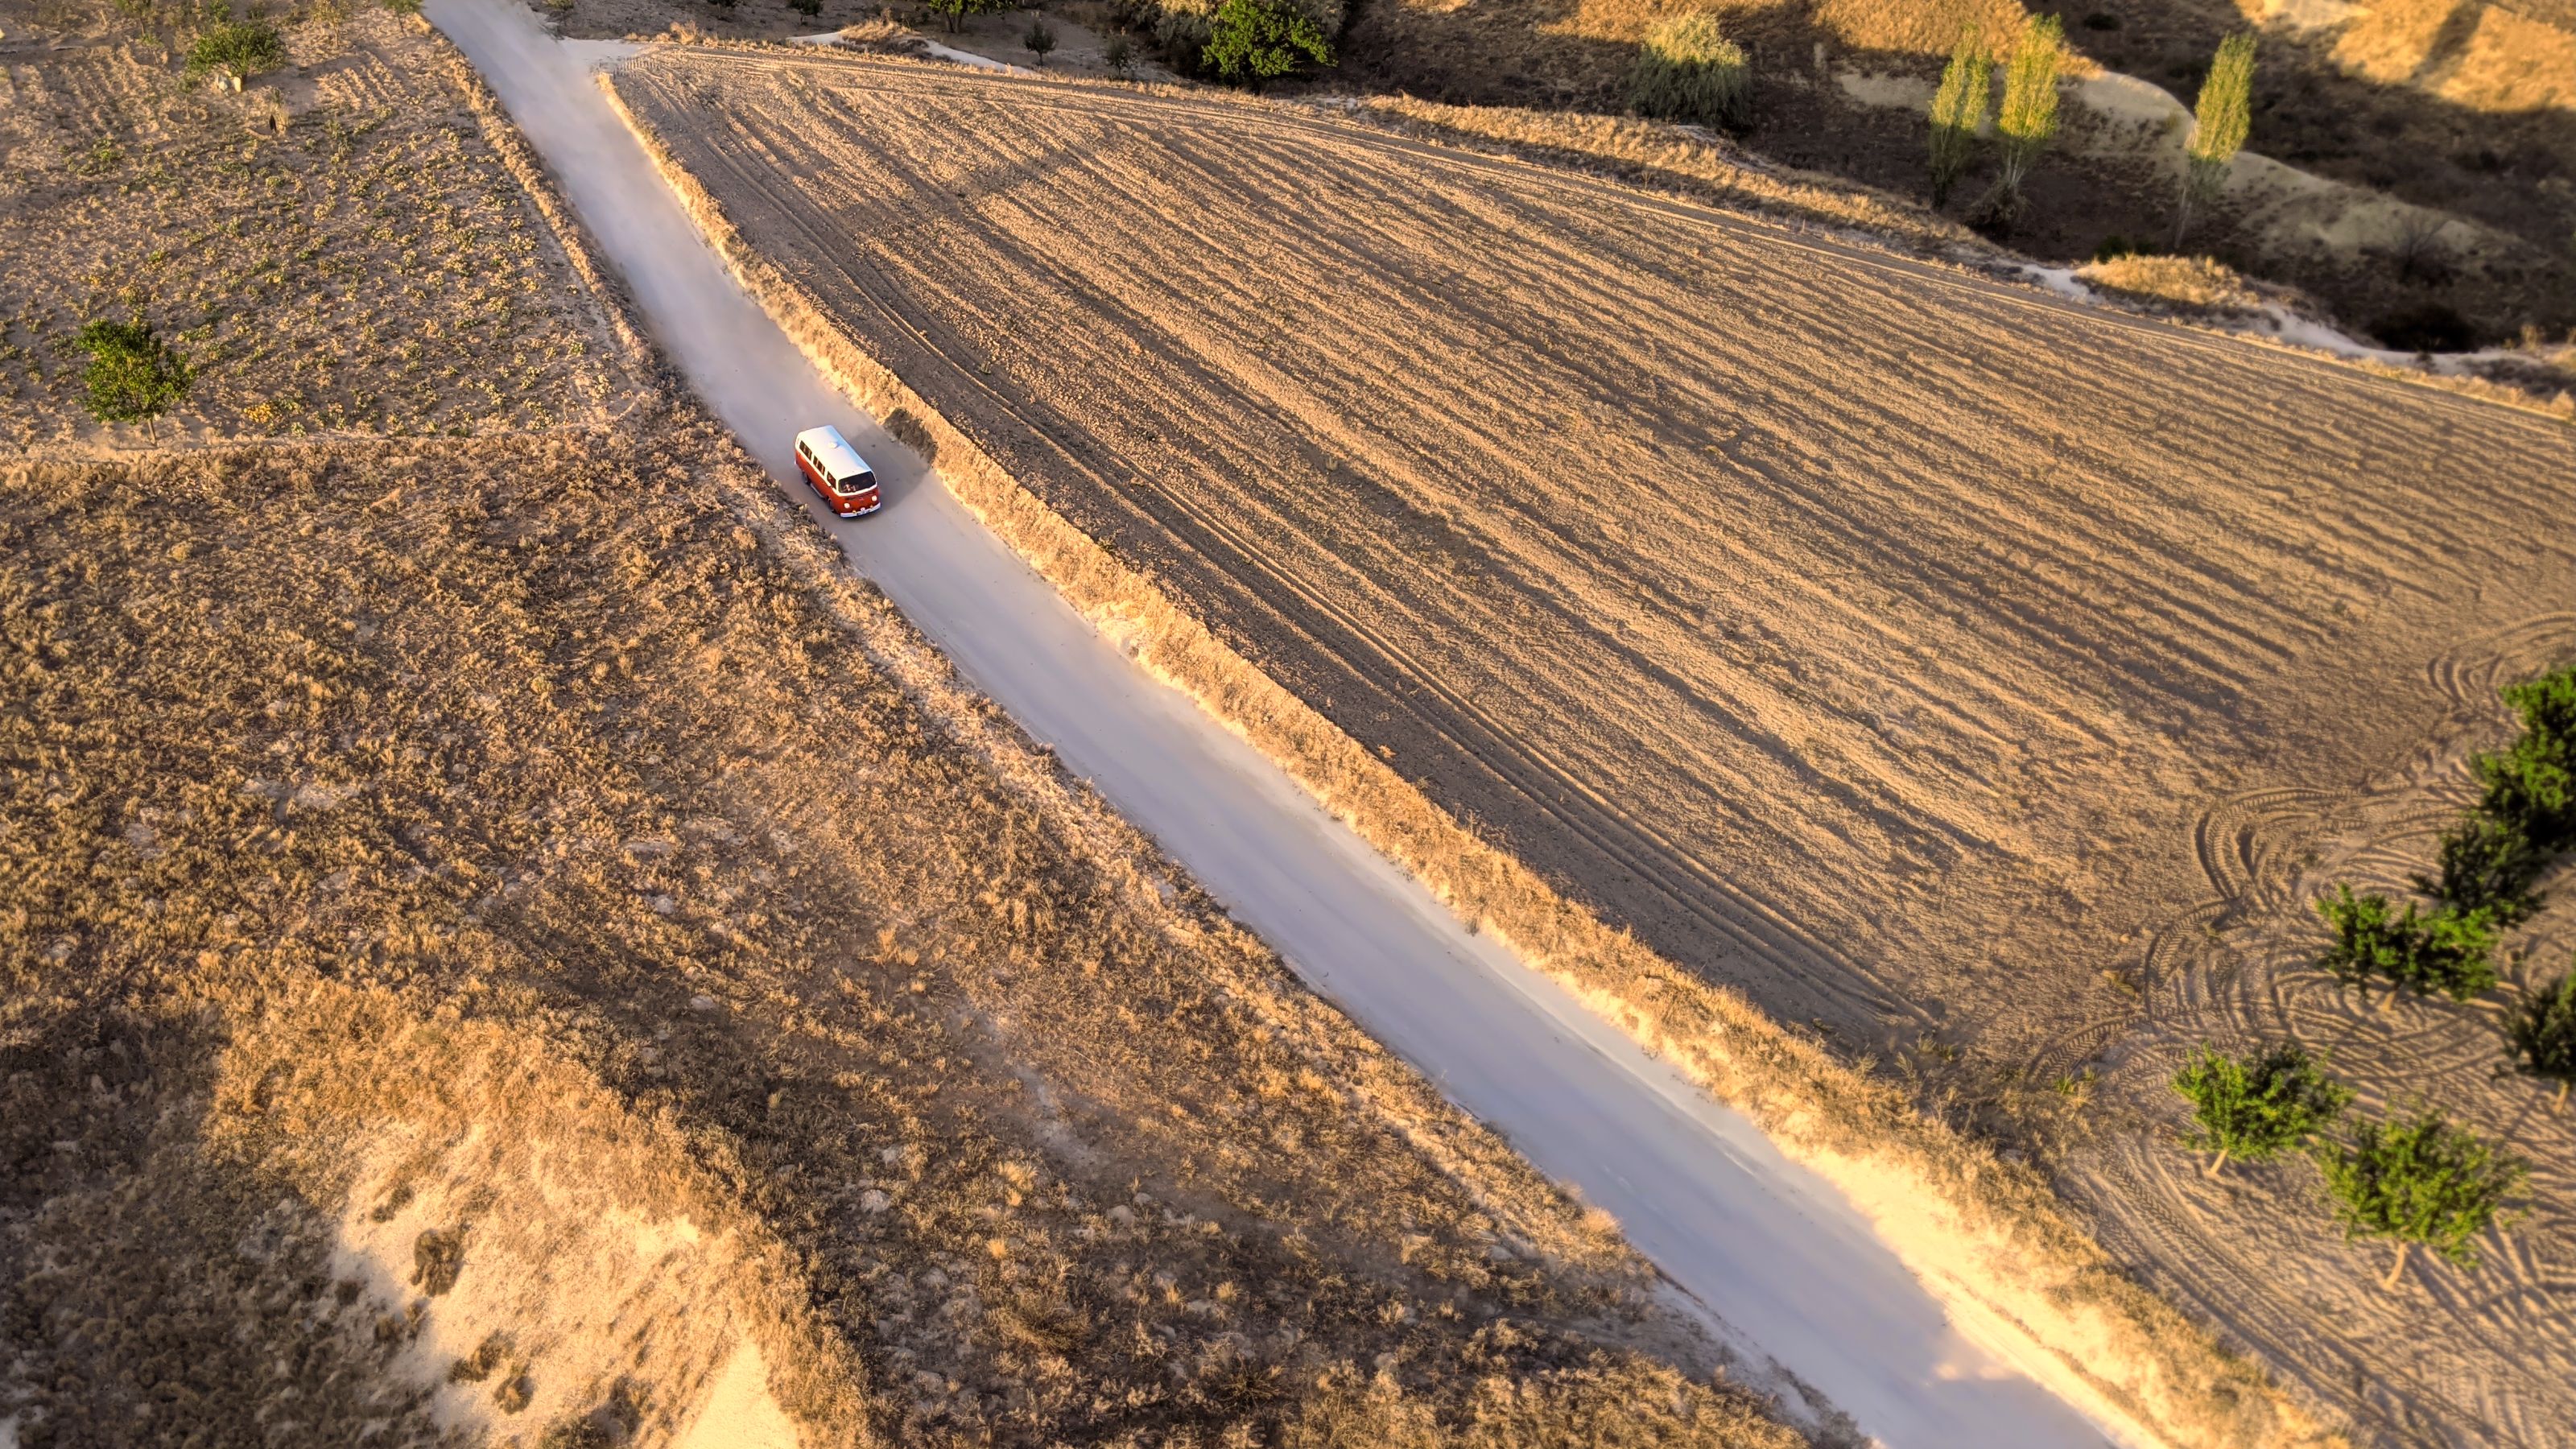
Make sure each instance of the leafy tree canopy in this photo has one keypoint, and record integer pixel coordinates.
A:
(1253, 42)
(2421, 1181)
(2256, 1107)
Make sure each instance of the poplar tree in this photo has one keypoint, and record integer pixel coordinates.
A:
(2221, 121)
(1959, 111)
(2027, 122)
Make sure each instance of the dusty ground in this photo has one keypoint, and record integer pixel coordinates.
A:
(503, 939)
(336, 249)
(1919, 659)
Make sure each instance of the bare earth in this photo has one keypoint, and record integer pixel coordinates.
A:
(504, 939)
(1988, 682)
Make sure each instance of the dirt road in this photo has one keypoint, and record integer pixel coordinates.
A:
(1761, 1244)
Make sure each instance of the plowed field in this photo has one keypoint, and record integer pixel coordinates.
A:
(1985, 681)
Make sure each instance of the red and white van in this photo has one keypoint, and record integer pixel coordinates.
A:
(838, 475)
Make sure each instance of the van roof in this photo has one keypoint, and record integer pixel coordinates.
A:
(833, 451)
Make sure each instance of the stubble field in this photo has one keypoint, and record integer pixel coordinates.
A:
(1985, 682)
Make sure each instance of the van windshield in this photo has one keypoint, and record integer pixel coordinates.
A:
(854, 483)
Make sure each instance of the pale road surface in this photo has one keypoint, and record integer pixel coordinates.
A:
(1766, 1247)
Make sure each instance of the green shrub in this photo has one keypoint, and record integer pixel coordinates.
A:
(2532, 783)
(1254, 42)
(1689, 71)
(403, 7)
(1119, 55)
(1039, 40)
(133, 376)
(236, 49)
(2487, 864)
(807, 8)
(2420, 1181)
(2448, 953)
(2540, 1032)
(1959, 111)
(2258, 1107)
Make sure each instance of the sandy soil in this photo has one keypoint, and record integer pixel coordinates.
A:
(1909, 655)
(339, 248)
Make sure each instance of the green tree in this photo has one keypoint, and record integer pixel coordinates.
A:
(2256, 1107)
(2421, 1181)
(807, 8)
(953, 13)
(2221, 121)
(2448, 953)
(1039, 40)
(1689, 71)
(1959, 111)
(2540, 1032)
(2532, 783)
(2487, 864)
(2027, 121)
(1254, 42)
(133, 376)
(237, 50)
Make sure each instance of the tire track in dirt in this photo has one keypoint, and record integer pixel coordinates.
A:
(1529, 773)
(2238, 970)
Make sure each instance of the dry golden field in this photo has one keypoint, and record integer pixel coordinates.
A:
(337, 249)
(504, 940)
(1986, 682)
(375, 813)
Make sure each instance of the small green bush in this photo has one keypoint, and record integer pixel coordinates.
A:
(1119, 55)
(2532, 783)
(133, 376)
(2487, 864)
(236, 49)
(1039, 40)
(1254, 42)
(2448, 953)
(1689, 71)
(2420, 1181)
(807, 8)
(2540, 1032)
(2257, 1107)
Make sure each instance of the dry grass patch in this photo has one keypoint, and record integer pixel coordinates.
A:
(342, 247)
(575, 781)
(2195, 284)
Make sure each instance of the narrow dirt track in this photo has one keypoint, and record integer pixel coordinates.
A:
(1760, 1243)
(1888, 645)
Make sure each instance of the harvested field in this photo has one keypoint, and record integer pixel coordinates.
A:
(340, 248)
(1920, 659)
(371, 812)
